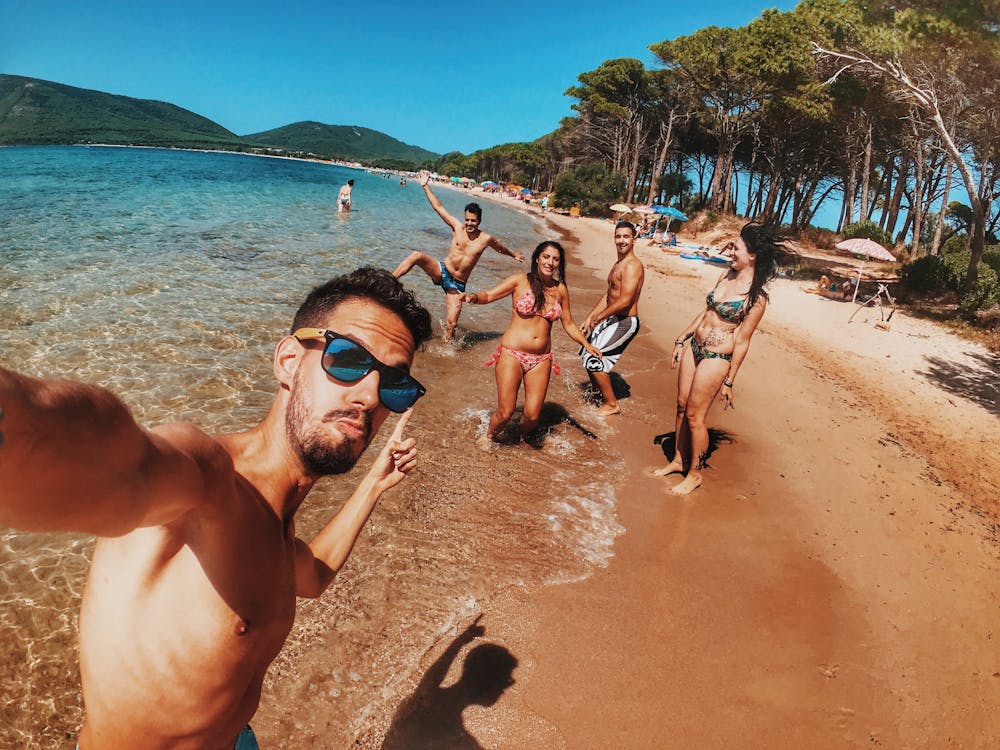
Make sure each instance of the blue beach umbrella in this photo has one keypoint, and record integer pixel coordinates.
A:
(488, 183)
(670, 212)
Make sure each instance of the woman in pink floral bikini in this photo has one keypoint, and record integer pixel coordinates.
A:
(525, 351)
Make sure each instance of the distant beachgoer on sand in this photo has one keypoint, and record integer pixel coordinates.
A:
(468, 242)
(525, 351)
(614, 321)
(192, 587)
(720, 339)
(545, 203)
(833, 290)
(344, 197)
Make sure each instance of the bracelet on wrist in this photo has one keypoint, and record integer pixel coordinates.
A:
(728, 383)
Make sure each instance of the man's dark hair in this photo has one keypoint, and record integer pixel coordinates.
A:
(351, 183)
(368, 283)
(627, 224)
(473, 208)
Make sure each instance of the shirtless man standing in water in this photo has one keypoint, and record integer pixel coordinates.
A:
(191, 592)
(468, 242)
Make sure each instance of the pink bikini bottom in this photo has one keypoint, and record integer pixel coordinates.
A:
(527, 361)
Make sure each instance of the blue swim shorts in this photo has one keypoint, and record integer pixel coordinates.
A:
(448, 282)
(245, 741)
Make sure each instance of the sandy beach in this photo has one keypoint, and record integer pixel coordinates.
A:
(833, 584)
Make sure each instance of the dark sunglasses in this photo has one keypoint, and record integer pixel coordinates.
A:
(348, 361)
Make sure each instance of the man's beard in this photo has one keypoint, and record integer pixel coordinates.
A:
(320, 452)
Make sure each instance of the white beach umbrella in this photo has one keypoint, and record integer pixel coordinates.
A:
(867, 249)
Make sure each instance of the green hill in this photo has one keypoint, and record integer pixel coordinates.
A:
(340, 142)
(33, 111)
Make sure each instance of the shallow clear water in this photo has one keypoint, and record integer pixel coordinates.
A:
(168, 276)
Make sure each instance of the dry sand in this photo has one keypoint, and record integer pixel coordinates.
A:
(833, 584)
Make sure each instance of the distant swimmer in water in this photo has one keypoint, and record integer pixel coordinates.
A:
(720, 339)
(402, 181)
(192, 587)
(344, 197)
(525, 351)
(614, 321)
(468, 242)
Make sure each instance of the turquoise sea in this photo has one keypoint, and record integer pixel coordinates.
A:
(168, 276)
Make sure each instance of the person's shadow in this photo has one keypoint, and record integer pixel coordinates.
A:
(432, 716)
(668, 441)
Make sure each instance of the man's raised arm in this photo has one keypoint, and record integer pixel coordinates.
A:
(424, 179)
(73, 459)
(319, 561)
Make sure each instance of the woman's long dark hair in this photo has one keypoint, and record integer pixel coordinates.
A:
(536, 281)
(763, 242)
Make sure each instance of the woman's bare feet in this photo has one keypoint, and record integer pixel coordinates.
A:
(691, 482)
(674, 467)
(608, 409)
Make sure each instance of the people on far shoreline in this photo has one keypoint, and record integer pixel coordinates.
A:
(720, 339)
(344, 197)
(614, 321)
(525, 351)
(468, 242)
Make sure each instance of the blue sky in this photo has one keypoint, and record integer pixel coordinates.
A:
(442, 75)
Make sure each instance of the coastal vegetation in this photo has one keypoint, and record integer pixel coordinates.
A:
(37, 112)
(888, 108)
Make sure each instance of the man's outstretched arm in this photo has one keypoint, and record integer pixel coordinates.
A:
(319, 561)
(504, 250)
(424, 179)
(73, 459)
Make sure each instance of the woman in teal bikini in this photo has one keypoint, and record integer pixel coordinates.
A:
(525, 351)
(720, 340)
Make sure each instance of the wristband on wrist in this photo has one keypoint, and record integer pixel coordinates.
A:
(728, 383)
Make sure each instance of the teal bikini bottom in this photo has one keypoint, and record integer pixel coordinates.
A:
(700, 353)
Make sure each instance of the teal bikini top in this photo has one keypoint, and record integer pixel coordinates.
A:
(731, 312)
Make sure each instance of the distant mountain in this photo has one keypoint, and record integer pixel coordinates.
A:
(340, 142)
(33, 111)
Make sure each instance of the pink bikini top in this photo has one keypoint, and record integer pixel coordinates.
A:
(526, 306)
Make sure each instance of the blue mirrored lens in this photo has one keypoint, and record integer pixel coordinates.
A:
(349, 362)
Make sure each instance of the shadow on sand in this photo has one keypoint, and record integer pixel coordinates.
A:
(432, 716)
(668, 443)
(619, 385)
(551, 416)
(979, 384)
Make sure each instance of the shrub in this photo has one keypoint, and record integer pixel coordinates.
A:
(987, 291)
(591, 187)
(821, 238)
(868, 229)
(927, 275)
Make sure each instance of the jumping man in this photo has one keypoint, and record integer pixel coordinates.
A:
(468, 242)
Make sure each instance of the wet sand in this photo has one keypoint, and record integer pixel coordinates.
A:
(834, 582)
